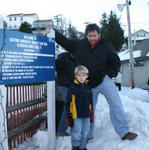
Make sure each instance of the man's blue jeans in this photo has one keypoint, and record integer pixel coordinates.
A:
(62, 127)
(117, 115)
(80, 132)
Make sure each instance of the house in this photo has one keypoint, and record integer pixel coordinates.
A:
(39, 26)
(141, 65)
(139, 36)
(14, 20)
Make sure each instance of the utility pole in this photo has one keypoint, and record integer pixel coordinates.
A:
(59, 23)
(58, 20)
(131, 61)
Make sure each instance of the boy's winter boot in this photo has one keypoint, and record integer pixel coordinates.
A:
(129, 136)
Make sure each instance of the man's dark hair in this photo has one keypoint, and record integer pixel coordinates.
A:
(92, 27)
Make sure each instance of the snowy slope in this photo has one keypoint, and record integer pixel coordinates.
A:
(137, 110)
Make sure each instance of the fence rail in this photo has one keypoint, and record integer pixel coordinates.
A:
(25, 111)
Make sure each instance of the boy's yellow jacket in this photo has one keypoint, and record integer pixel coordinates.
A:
(79, 101)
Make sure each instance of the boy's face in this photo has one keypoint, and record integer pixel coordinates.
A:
(81, 77)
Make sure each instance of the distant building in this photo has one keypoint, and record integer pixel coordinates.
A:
(14, 20)
(139, 36)
(141, 65)
(39, 26)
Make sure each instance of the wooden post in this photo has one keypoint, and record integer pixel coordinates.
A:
(131, 61)
(51, 108)
(3, 119)
(51, 115)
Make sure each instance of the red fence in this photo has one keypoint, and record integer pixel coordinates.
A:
(26, 105)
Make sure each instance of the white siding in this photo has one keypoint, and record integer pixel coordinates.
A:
(16, 20)
(141, 75)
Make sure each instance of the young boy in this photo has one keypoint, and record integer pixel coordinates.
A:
(79, 109)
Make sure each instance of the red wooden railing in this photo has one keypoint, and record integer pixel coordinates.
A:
(26, 105)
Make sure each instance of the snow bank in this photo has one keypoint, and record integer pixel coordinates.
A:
(136, 106)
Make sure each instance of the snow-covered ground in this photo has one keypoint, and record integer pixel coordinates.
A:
(136, 105)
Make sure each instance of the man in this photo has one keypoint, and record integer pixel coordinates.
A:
(64, 63)
(103, 64)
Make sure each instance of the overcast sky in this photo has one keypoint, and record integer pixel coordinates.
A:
(80, 11)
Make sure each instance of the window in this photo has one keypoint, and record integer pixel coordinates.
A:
(21, 18)
(15, 18)
(138, 63)
(141, 35)
(10, 19)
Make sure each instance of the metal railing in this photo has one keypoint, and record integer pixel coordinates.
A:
(25, 111)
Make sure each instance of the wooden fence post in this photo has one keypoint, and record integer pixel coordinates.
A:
(51, 109)
(51, 115)
(3, 119)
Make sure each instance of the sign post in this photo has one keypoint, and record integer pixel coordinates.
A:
(51, 109)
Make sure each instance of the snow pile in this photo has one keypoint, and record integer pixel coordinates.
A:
(41, 140)
(135, 102)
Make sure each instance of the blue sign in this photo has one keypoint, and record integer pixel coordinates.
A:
(26, 58)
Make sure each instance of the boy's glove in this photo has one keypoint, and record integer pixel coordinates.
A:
(70, 121)
(91, 117)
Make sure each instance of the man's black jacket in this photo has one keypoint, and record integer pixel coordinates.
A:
(65, 65)
(101, 60)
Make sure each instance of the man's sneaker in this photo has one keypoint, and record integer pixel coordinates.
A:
(84, 149)
(129, 136)
(75, 148)
(62, 134)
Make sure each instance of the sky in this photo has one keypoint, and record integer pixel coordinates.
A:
(80, 11)
(136, 104)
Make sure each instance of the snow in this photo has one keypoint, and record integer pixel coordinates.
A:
(135, 102)
(1, 22)
(125, 54)
(147, 54)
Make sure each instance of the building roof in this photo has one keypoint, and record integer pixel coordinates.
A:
(143, 46)
(140, 50)
(48, 20)
(141, 30)
(21, 14)
(30, 14)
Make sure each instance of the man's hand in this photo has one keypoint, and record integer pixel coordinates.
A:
(48, 30)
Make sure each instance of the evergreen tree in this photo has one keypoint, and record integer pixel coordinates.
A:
(104, 25)
(72, 33)
(25, 27)
(112, 30)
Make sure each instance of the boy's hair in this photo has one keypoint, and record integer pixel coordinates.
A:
(81, 69)
(92, 27)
